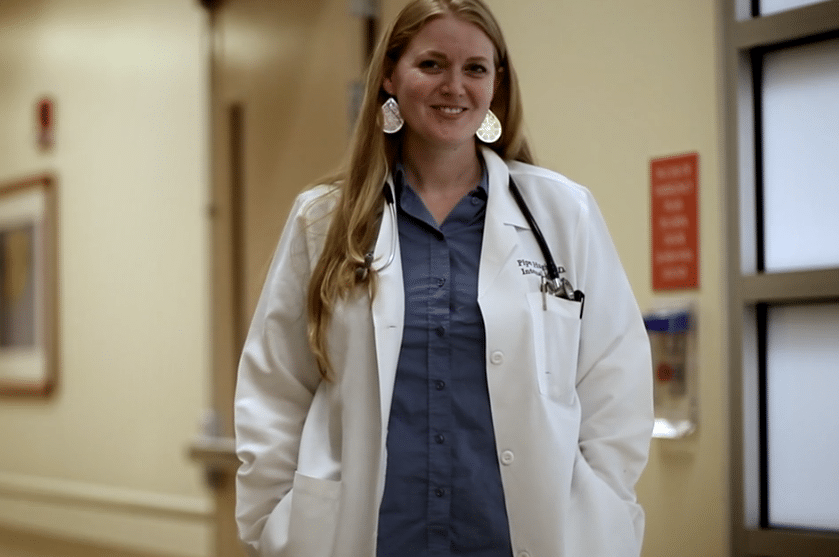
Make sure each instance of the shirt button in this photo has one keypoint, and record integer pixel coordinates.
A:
(440, 331)
(507, 458)
(440, 438)
(441, 282)
(439, 492)
(440, 384)
(496, 357)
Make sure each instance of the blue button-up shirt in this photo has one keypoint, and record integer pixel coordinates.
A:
(443, 493)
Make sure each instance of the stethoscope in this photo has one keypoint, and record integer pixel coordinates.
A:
(551, 282)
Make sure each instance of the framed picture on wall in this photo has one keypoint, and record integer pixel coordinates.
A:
(28, 287)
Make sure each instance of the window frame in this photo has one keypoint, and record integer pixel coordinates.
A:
(746, 37)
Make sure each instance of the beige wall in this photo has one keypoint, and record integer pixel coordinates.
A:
(104, 459)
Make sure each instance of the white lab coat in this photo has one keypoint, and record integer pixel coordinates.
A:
(571, 398)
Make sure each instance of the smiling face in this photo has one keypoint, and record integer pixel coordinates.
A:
(444, 83)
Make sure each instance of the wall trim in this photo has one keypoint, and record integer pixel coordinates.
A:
(129, 519)
(69, 492)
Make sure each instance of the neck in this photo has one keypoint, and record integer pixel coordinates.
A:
(442, 171)
(441, 177)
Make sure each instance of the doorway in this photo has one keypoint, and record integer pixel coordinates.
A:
(283, 78)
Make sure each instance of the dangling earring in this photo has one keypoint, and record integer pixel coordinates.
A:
(391, 117)
(490, 129)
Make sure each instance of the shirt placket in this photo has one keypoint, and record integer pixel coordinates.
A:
(439, 396)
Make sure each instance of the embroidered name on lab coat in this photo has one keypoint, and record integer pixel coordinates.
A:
(528, 267)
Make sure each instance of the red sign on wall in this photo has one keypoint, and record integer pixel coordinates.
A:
(45, 123)
(675, 225)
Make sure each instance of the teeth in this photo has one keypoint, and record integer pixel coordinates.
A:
(449, 110)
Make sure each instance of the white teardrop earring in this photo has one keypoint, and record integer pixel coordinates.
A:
(392, 120)
(490, 129)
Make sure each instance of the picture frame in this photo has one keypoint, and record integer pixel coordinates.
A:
(28, 286)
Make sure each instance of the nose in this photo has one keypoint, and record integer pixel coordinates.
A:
(453, 83)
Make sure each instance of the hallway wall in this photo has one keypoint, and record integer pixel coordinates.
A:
(104, 459)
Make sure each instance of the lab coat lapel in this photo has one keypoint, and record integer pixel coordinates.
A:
(503, 218)
(388, 306)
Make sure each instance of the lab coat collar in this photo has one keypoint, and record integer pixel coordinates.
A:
(503, 218)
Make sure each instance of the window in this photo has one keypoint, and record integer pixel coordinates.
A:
(782, 133)
(768, 7)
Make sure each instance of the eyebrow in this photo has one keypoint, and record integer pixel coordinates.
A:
(438, 54)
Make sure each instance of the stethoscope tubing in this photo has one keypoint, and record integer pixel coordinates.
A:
(394, 236)
(550, 264)
(551, 281)
(553, 284)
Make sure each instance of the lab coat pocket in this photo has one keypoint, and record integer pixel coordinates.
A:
(314, 516)
(556, 342)
(603, 523)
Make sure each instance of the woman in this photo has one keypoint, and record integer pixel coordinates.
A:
(413, 383)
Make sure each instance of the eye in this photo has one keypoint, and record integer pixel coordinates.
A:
(476, 69)
(430, 64)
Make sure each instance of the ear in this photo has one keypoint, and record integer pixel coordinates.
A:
(387, 85)
(498, 74)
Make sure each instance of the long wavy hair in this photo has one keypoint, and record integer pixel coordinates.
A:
(372, 153)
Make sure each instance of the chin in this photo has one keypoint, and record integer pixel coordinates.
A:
(456, 140)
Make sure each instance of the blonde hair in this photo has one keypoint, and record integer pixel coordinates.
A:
(355, 220)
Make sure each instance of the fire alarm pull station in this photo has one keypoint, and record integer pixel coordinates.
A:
(673, 346)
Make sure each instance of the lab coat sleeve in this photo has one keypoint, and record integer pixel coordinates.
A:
(614, 375)
(277, 377)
